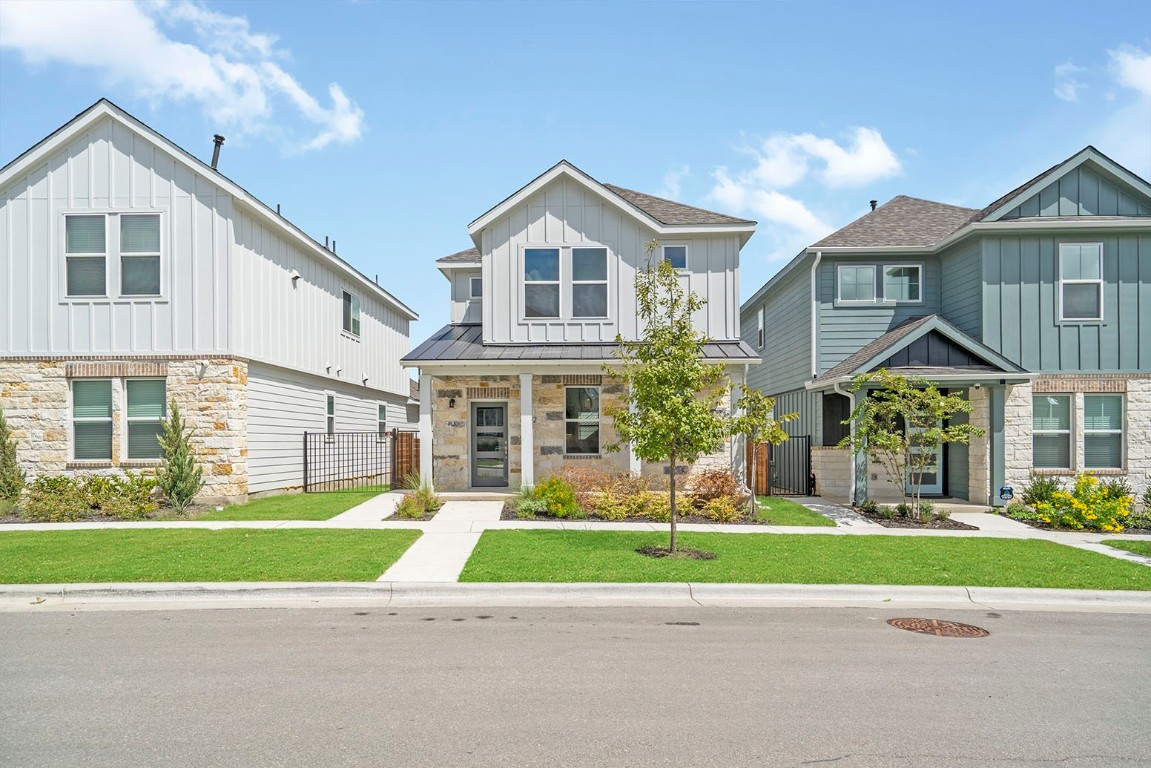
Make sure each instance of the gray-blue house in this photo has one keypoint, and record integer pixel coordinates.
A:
(1037, 308)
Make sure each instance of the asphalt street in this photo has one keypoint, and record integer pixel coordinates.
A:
(566, 687)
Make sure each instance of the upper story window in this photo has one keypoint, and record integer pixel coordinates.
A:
(351, 314)
(89, 241)
(589, 282)
(476, 288)
(1081, 281)
(541, 282)
(903, 283)
(762, 331)
(140, 255)
(856, 283)
(85, 255)
(676, 255)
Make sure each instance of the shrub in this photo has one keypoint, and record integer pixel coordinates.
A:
(1017, 510)
(722, 509)
(1116, 488)
(59, 498)
(1087, 505)
(558, 496)
(657, 506)
(926, 511)
(418, 502)
(713, 484)
(869, 507)
(179, 477)
(530, 507)
(903, 509)
(609, 505)
(886, 511)
(1147, 499)
(943, 514)
(1040, 488)
(11, 476)
(587, 482)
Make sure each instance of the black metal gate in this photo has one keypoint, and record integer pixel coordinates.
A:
(344, 460)
(782, 470)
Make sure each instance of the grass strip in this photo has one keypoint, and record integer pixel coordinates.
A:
(610, 556)
(1134, 545)
(295, 506)
(778, 511)
(65, 557)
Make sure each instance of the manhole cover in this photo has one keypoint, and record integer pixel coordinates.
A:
(938, 628)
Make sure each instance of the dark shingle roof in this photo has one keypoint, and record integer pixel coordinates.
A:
(465, 342)
(903, 221)
(469, 255)
(671, 213)
(865, 353)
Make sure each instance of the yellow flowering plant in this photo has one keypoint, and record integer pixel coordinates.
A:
(1088, 505)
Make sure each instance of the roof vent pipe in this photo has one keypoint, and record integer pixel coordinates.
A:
(873, 204)
(333, 245)
(325, 241)
(218, 140)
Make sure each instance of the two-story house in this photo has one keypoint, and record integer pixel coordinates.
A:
(513, 390)
(132, 274)
(1037, 308)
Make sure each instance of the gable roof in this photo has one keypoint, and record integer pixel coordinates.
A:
(662, 216)
(902, 222)
(104, 108)
(467, 256)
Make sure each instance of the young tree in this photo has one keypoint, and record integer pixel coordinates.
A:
(179, 477)
(11, 476)
(755, 421)
(902, 423)
(673, 406)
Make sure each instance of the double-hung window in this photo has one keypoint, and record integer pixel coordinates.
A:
(902, 283)
(581, 420)
(146, 407)
(1103, 431)
(92, 420)
(351, 321)
(86, 255)
(140, 254)
(856, 283)
(541, 282)
(676, 255)
(382, 421)
(1080, 281)
(1051, 431)
(589, 282)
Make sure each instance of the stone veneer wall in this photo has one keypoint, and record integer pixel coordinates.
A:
(721, 459)
(451, 452)
(832, 468)
(35, 401)
(548, 406)
(979, 447)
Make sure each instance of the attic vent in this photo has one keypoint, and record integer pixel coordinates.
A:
(583, 381)
(489, 393)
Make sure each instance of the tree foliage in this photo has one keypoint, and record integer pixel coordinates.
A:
(180, 476)
(11, 476)
(754, 419)
(902, 422)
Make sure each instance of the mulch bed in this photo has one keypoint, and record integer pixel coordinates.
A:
(936, 524)
(1045, 527)
(509, 514)
(681, 553)
(427, 516)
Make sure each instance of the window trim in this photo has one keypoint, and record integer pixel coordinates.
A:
(686, 254)
(86, 256)
(472, 288)
(1081, 281)
(1122, 431)
(110, 420)
(565, 283)
(1069, 432)
(329, 416)
(883, 271)
(111, 256)
(572, 282)
(558, 283)
(381, 423)
(355, 313)
(598, 420)
(127, 420)
(839, 285)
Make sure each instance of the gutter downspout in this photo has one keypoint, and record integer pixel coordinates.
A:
(815, 316)
(838, 389)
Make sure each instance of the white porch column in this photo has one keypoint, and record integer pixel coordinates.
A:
(426, 446)
(738, 442)
(527, 432)
(634, 464)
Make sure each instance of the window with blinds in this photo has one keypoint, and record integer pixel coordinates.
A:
(85, 255)
(589, 282)
(146, 406)
(140, 255)
(92, 420)
(1103, 431)
(1080, 281)
(1051, 431)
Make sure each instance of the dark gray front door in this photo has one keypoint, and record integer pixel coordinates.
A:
(489, 445)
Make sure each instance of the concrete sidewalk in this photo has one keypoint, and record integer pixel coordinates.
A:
(441, 553)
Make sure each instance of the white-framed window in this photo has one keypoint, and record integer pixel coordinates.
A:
(140, 254)
(330, 416)
(676, 255)
(903, 283)
(382, 422)
(85, 255)
(1051, 431)
(1081, 282)
(855, 283)
(145, 407)
(761, 329)
(541, 282)
(92, 419)
(581, 420)
(589, 282)
(351, 315)
(1103, 431)
(476, 288)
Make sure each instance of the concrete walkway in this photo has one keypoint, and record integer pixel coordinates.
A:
(447, 543)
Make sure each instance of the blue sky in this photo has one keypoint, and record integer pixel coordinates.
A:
(389, 126)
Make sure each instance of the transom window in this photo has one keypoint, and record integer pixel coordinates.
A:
(1080, 281)
(351, 322)
(1051, 431)
(85, 255)
(902, 283)
(1103, 431)
(541, 282)
(140, 255)
(676, 255)
(581, 420)
(589, 282)
(146, 407)
(476, 288)
(92, 420)
(856, 282)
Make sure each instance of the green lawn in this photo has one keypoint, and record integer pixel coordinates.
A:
(295, 506)
(778, 511)
(54, 557)
(1136, 546)
(575, 556)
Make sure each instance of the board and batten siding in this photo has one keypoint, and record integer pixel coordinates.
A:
(809, 409)
(786, 352)
(465, 309)
(283, 404)
(962, 287)
(844, 328)
(1021, 304)
(110, 168)
(564, 213)
(1081, 191)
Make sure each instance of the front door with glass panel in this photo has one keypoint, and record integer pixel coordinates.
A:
(931, 468)
(489, 445)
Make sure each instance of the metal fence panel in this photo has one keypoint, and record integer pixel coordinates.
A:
(344, 460)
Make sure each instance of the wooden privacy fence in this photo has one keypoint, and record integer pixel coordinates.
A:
(781, 470)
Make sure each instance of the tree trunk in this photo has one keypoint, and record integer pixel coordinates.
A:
(672, 467)
(754, 477)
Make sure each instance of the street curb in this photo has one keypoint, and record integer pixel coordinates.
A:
(31, 597)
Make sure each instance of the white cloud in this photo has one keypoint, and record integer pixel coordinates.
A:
(1133, 68)
(227, 68)
(796, 225)
(1067, 85)
(673, 182)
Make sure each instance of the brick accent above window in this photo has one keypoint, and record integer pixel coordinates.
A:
(583, 381)
(115, 370)
(489, 393)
